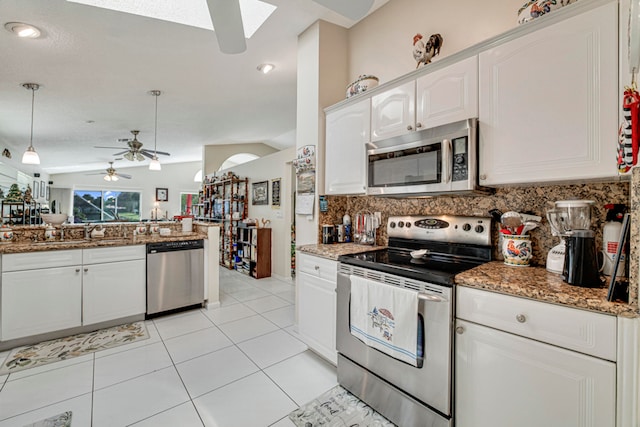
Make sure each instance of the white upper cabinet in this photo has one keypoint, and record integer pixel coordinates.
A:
(346, 136)
(448, 95)
(548, 102)
(393, 112)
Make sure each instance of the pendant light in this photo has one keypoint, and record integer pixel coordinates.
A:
(154, 165)
(30, 157)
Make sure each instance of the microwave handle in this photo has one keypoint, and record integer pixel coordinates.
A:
(447, 160)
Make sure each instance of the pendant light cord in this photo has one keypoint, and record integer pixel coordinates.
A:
(155, 131)
(33, 95)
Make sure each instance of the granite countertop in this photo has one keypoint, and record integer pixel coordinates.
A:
(15, 247)
(335, 250)
(539, 284)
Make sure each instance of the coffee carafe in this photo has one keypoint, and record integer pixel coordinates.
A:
(580, 262)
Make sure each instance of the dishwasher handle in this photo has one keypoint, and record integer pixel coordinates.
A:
(181, 245)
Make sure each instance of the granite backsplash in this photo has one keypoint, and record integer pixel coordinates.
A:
(534, 200)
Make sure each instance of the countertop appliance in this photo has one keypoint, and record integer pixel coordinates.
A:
(424, 254)
(175, 275)
(433, 161)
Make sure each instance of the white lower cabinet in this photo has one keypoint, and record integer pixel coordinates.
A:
(113, 290)
(316, 304)
(49, 291)
(40, 300)
(505, 380)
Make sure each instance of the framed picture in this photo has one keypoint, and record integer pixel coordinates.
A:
(36, 189)
(48, 195)
(260, 193)
(162, 195)
(275, 193)
(43, 188)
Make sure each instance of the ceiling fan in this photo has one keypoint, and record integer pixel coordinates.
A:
(135, 150)
(227, 21)
(111, 174)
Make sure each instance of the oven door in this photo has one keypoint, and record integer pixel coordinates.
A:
(430, 383)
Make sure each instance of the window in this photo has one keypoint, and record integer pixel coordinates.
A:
(188, 202)
(108, 205)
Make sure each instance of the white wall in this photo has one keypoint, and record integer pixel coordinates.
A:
(382, 43)
(273, 166)
(177, 177)
(322, 70)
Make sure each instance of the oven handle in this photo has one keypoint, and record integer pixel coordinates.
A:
(431, 298)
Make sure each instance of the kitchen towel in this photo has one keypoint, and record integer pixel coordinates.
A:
(385, 317)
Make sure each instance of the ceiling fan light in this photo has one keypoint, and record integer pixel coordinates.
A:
(155, 165)
(129, 156)
(30, 156)
(114, 177)
(107, 178)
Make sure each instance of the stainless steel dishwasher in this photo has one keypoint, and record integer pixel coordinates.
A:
(175, 275)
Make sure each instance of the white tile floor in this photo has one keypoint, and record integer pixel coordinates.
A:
(240, 365)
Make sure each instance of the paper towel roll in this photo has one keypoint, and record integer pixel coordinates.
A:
(187, 225)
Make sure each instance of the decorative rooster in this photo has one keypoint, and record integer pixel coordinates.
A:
(424, 51)
(520, 250)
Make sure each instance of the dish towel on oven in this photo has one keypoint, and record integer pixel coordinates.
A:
(385, 317)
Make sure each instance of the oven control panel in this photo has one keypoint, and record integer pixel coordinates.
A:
(442, 228)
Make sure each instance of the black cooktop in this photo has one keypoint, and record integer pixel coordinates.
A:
(438, 269)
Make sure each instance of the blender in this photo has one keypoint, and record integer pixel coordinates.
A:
(555, 258)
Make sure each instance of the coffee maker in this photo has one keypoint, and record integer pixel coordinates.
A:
(581, 258)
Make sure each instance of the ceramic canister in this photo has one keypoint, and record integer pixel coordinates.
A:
(141, 229)
(6, 234)
(50, 233)
(516, 250)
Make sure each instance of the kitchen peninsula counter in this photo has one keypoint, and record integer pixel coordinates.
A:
(21, 247)
(539, 284)
(333, 251)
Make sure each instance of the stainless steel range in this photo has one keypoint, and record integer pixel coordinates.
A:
(424, 255)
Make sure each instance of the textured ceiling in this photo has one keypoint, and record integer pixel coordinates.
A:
(95, 67)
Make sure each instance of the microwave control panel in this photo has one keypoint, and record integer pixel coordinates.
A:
(460, 159)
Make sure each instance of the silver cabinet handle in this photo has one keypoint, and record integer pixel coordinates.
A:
(521, 318)
(409, 127)
(418, 125)
(460, 330)
(77, 270)
(317, 267)
(430, 297)
(86, 269)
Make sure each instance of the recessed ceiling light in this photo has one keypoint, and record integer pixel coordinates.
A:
(265, 68)
(22, 30)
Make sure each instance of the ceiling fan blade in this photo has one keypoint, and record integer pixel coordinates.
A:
(227, 24)
(113, 148)
(120, 153)
(123, 175)
(352, 9)
(150, 153)
(97, 173)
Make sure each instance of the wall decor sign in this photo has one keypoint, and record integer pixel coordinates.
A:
(162, 195)
(48, 195)
(305, 165)
(43, 189)
(275, 193)
(260, 193)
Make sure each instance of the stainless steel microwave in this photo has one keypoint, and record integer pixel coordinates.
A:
(440, 160)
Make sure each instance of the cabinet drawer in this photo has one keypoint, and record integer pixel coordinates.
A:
(316, 266)
(574, 329)
(113, 254)
(45, 259)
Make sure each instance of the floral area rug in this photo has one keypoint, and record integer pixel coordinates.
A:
(337, 408)
(62, 420)
(73, 346)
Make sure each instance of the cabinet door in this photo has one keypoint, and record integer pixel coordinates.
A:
(393, 112)
(347, 133)
(317, 314)
(39, 301)
(503, 380)
(448, 95)
(548, 103)
(113, 290)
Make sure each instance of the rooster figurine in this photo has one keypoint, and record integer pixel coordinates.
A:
(423, 51)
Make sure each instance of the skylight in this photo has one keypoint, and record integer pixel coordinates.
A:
(188, 12)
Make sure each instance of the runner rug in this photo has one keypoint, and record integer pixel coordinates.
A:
(337, 408)
(73, 346)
